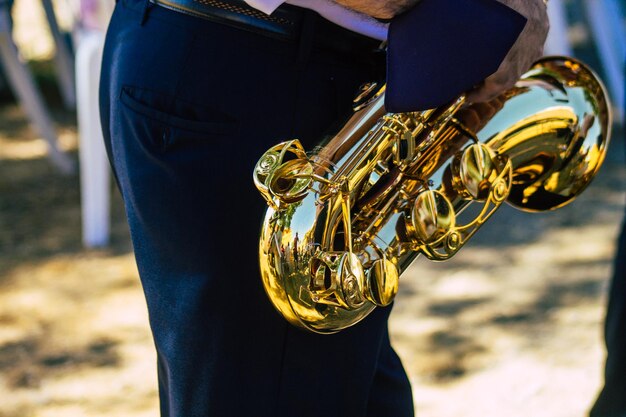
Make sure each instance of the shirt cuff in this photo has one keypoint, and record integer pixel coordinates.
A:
(266, 6)
(345, 17)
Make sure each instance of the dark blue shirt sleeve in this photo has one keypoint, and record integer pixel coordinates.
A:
(441, 48)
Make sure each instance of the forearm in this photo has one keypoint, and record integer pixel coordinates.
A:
(383, 9)
(527, 49)
(387, 9)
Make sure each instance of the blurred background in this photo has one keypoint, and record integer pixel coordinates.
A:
(512, 326)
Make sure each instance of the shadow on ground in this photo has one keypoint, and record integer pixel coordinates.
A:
(74, 338)
(523, 302)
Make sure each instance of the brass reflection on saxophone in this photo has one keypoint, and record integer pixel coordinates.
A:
(346, 220)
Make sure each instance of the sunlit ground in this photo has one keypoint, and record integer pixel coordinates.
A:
(73, 330)
(510, 327)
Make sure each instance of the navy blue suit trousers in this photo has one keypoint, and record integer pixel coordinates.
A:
(188, 106)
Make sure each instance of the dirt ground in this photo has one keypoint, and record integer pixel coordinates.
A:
(511, 327)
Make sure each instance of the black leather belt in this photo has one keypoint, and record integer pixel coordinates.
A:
(283, 23)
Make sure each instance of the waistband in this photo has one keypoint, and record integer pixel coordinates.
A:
(286, 23)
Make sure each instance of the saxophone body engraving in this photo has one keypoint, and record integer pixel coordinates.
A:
(346, 220)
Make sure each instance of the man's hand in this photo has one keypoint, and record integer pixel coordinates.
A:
(381, 9)
(527, 49)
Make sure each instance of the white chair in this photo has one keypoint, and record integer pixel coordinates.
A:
(94, 166)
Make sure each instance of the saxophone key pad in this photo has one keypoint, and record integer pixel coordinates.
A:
(432, 217)
(475, 169)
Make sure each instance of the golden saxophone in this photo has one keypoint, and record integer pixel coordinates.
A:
(345, 221)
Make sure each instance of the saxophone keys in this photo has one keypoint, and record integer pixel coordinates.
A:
(432, 217)
(475, 170)
(381, 282)
(283, 174)
(337, 279)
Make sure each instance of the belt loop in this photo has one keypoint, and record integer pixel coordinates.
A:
(144, 13)
(307, 36)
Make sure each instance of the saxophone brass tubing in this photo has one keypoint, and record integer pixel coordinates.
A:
(431, 155)
(352, 134)
(552, 132)
(380, 217)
